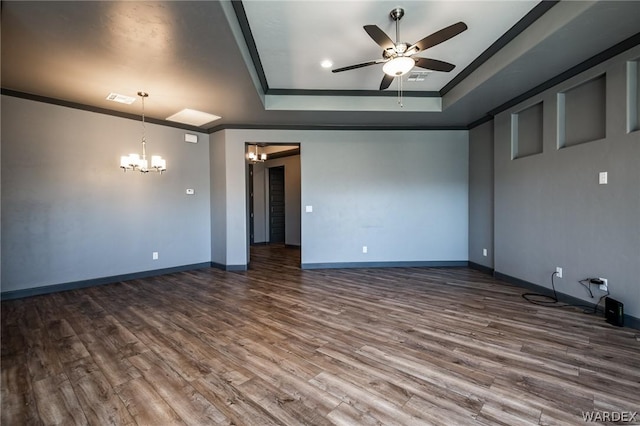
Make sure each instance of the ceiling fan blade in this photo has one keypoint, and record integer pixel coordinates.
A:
(356, 66)
(386, 81)
(379, 36)
(439, 36)
(434, 64)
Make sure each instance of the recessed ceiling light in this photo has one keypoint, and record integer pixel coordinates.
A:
(326, 63)
(123, 99)
(193, 117)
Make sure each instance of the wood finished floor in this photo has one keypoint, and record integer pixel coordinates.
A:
(277, 345)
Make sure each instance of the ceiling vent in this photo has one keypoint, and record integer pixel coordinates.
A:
(417, 75)
(123, 99)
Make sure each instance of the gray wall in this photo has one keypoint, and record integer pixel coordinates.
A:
(481, 194)
(260, 206)
(404, 194)
(229, 237)
(70, 214)
(218, 199)
(550, 210)
(292, 199)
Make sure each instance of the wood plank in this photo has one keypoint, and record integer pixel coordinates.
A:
(233, 403)
(100, 403)
(187, 403)
(42, 355)
(18, 402)
(365, 401)
(145, 405)
(57, 402)
(116, 369)
(279, 345)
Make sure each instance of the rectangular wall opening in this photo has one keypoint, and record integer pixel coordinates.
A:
(633, 96)
(527, 131)
(582, 113)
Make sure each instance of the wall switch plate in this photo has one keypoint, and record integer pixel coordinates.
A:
(484, 252)
(365, 249)
(190, 191)
(308, 209)
(154, 255)
(603, 178)
(558, 272)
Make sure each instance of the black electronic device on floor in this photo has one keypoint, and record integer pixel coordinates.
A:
(614, 311)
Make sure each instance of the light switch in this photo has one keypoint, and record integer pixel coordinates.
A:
(602, 178)
(308, 209)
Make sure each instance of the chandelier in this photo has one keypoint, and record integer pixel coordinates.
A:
(140, 163)
(254, 156)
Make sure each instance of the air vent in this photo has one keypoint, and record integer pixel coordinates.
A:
(417, 76)
(123, 99)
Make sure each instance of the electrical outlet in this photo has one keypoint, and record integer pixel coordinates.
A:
(605, 284)
(365, 249)
(154, 256)
(558, 272)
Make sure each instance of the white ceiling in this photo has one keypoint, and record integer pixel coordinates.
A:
(193, 54)
(294, 37)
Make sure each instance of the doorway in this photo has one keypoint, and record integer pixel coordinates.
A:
(274, 197)
(277, 207)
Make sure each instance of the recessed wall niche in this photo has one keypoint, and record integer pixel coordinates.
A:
(526, 131)
(582, 113)
(633, 96)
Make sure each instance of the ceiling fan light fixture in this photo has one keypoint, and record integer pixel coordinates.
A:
(399, 66)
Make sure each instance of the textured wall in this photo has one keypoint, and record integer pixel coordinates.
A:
(481, 194)
(549, 208)
(70, 214)
(404, 194)
(218, 199)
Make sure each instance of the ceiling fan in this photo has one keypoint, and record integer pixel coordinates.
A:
(398, 57)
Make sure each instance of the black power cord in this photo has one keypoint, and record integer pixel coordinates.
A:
(553, 302)
(586, 283)
(547, 300)
(588, 287)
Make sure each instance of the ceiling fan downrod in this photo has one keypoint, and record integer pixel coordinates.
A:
(397, 14)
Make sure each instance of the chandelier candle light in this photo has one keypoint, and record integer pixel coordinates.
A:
(135, 161)
(254, 157)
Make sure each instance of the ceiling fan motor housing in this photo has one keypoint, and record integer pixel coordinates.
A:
(397, 13)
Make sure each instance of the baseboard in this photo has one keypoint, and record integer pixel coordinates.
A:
(481, 268)
(37, 291)
(417, 264)
(292, 246)
(629, 321)
(230, 268)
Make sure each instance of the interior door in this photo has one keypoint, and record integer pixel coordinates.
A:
(251, 206)
(276, 205)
